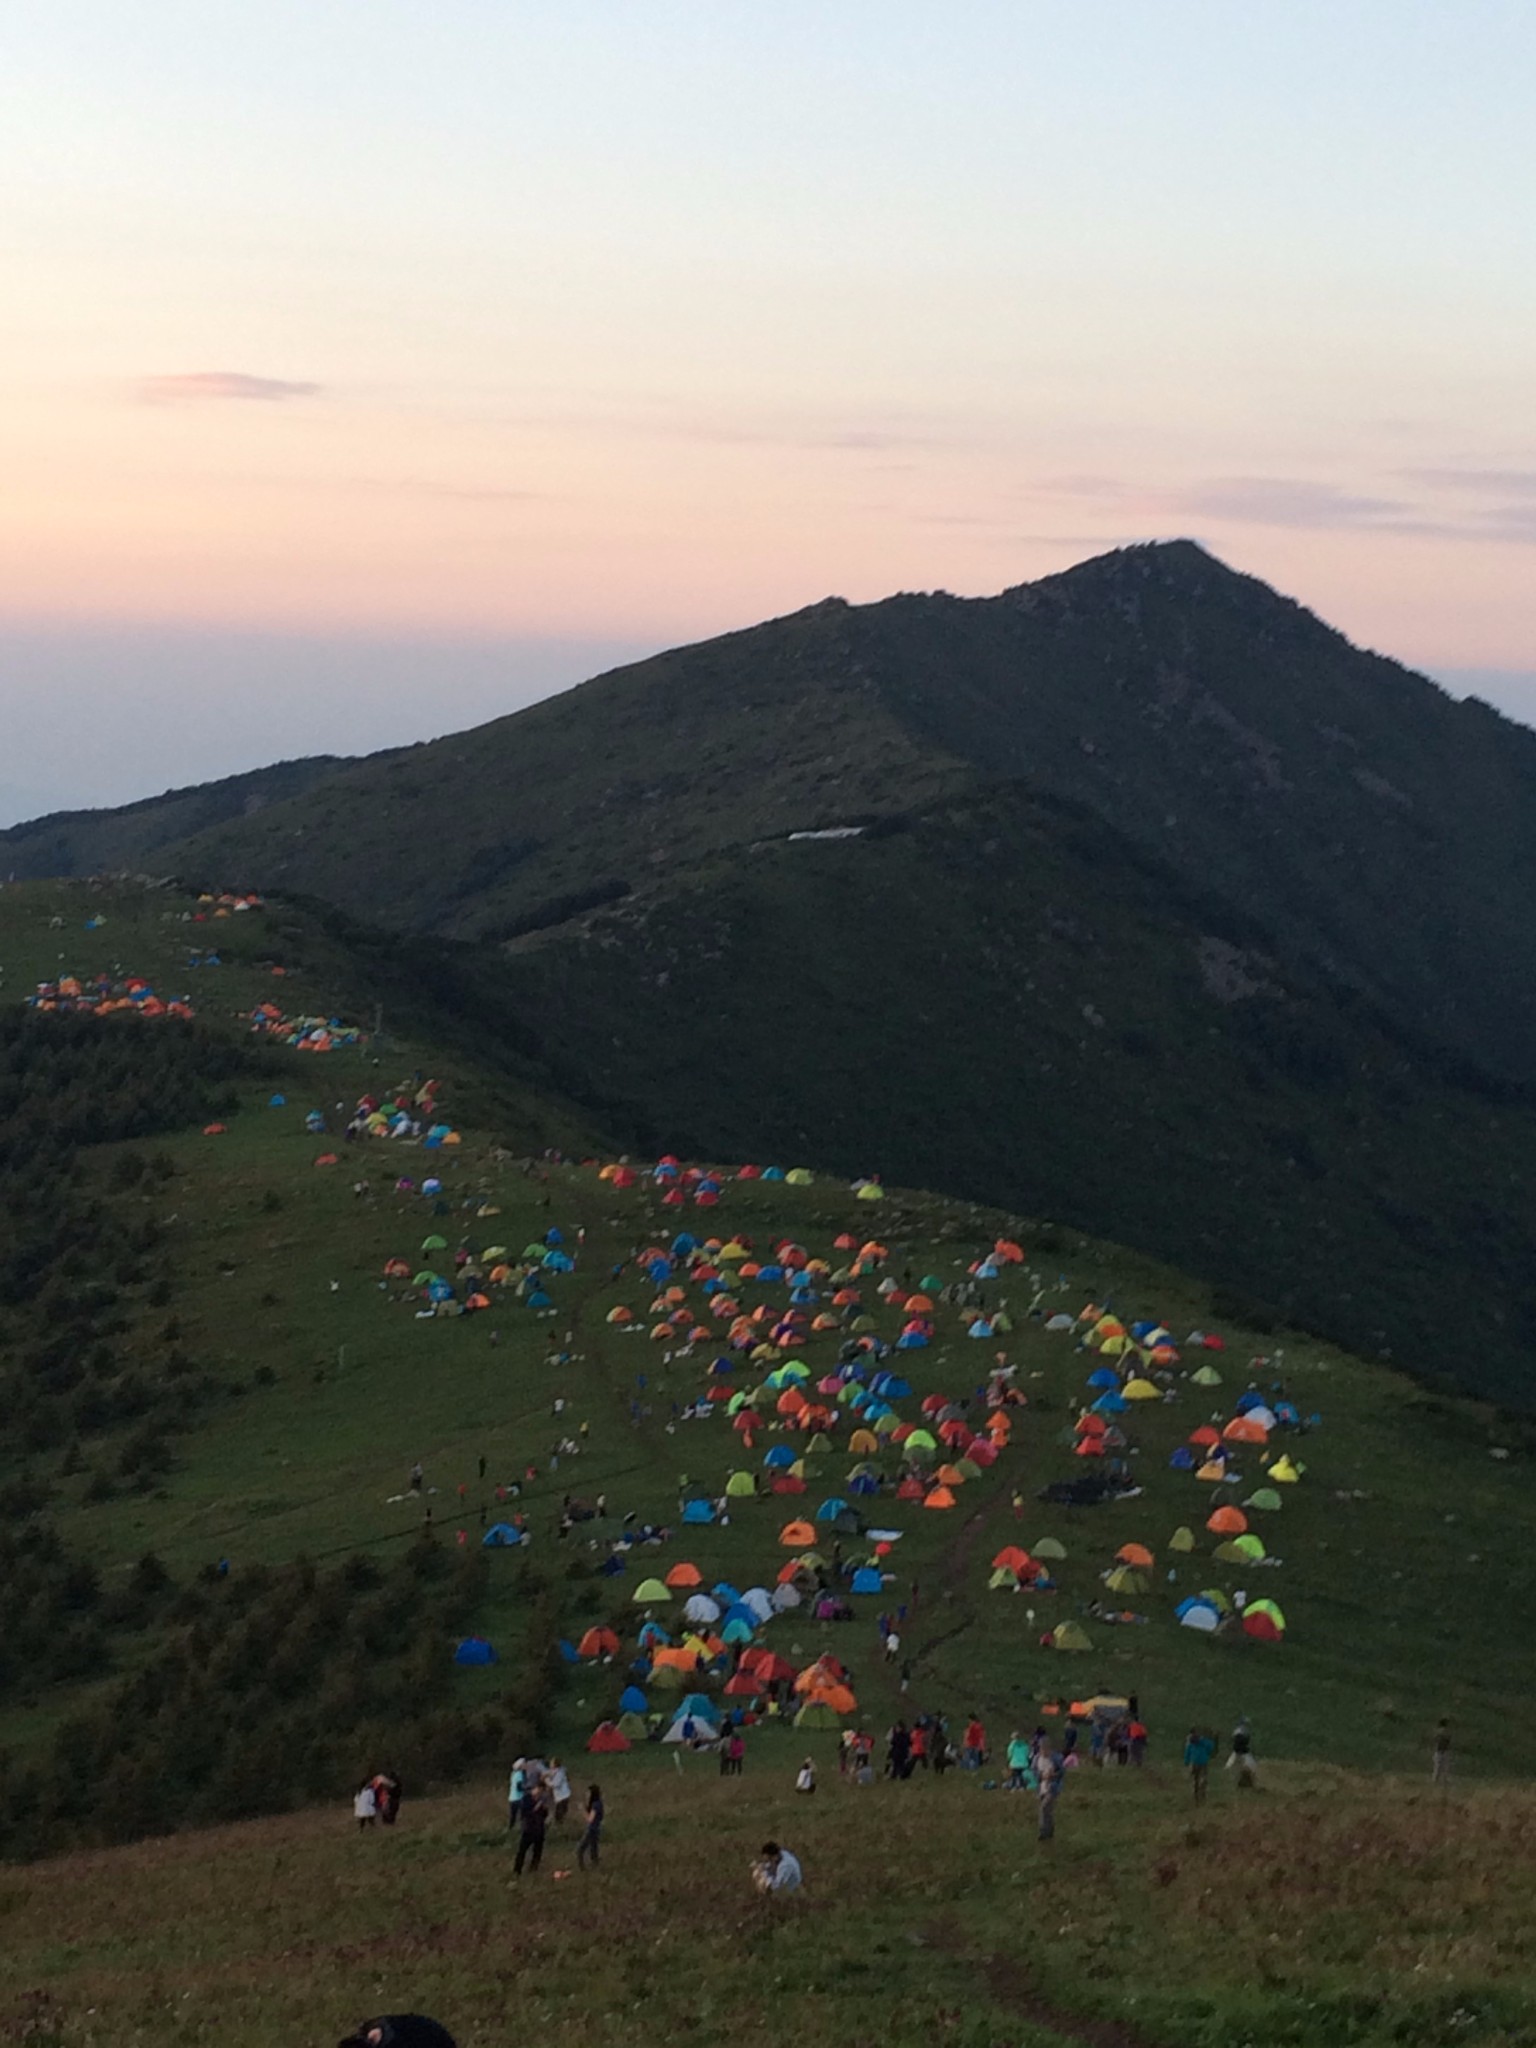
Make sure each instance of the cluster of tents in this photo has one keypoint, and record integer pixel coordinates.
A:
(1141, 1363)
(102, 996)
(304, 1034)
(524, 1276)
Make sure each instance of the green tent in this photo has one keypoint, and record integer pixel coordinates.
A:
(650, 1591)
(1182, 1539)
(1265, 1498)
(741, 1486)
(633, 1725)
(1249, 1546)
(1214, 1597)
(817, 1714)
(1049, 1547)
(1070, 1635)
(968, 1469)
(1206, 1376)
(1004, 1576)
(1126, 1579)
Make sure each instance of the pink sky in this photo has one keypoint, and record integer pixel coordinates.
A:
(488, 325)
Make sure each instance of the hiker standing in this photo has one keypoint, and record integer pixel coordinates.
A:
(1049, 1773)
(805, 1777)
(591, 1830)
(1240, 1758)
(559, 1788)
(898, 1752)
(974, 1753)
(1019, 1768)
(1199, 1748)
(533, 1824)
(365, 1807)
(1440, 1754)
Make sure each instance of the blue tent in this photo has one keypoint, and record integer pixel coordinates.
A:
(632, 1700)
(611, 1565)
(553, 1236)
(1250, 1400)
(891, 1386)
(911, 1340)
(652, 1634)
(738, 1612)
(569, 1651)
(1142, 1329)
(536, 1298)
(699, 1511)
(831, 1509)
(440, 1290)
(726, 1592)
(867, 1580)
(474, 1650)
(277, 1102)
(1183, 1459)
(768, 1274)
(737, 1631)
(701, 1706)
(721, 1365)
(864, 1483)
(683, 1244)
(773, 1173)
(659, 1270)
(1104, 1377)
(780, 1456)
(1111, 1404)
(501, 1534)
(558, 1262)
(982, 1327)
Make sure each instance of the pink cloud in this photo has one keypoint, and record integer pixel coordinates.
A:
(221, 384)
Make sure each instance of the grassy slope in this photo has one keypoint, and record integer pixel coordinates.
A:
(1321, 1913)
(1375, 1916)
(1439, 1550)
(1041, 1017)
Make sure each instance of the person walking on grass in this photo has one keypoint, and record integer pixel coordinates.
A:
(559, 1788)
(1199, 1748)
(1440, 1754)
(365, 1807)
(805, 1777)
(591, 1829)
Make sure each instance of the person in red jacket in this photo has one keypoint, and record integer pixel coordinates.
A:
(975, 1746)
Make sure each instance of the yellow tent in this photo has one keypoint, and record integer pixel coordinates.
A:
(1182, 1539)
(1141, 1390)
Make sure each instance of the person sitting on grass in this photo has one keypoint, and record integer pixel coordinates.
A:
(776, 1869)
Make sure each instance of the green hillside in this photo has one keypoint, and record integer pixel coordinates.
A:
(1162, 912)
(280, 1385)
(222, 1598)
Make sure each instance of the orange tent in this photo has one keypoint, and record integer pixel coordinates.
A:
(1227, 1522)
(941, 1497)
(685, 1575)
(598, 1642)
(1011, 1559)
(797, 1536)
(1243, 1430)
(1136, 1554)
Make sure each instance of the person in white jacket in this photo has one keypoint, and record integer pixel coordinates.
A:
(777, 1869)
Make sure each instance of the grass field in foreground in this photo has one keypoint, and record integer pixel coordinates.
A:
(1321, 1912)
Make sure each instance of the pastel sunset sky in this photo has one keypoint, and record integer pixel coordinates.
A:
(370, 368)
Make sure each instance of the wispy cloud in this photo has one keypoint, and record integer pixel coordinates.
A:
(1288, 501)
(1480, 482)
(204, 384)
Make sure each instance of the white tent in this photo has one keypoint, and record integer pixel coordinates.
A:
(702, 1609)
